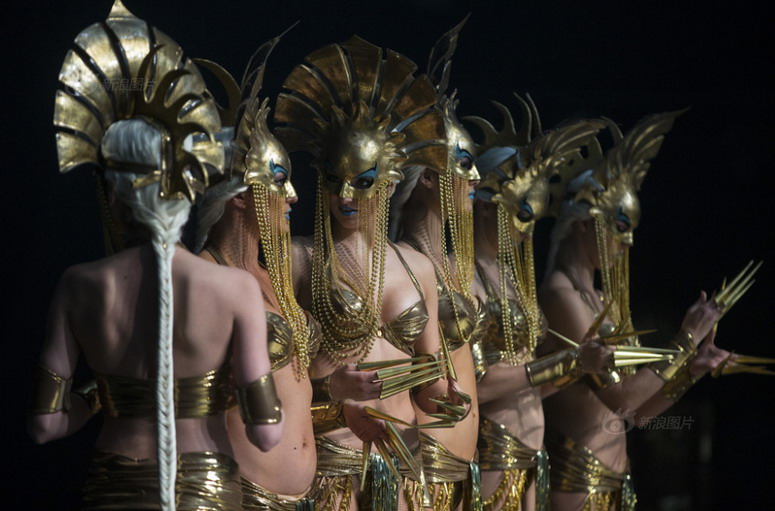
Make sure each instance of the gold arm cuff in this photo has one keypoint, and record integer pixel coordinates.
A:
(679, 384)
(600, 381)
(321, 390)
(667, 369)
(480, 362)
(553, 367)
(90, 394)
(258, 402)
(327, 417)
(51, 392)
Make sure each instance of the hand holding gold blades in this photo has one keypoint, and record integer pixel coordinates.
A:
(398, 377)
(740, 364)
(730, 293)
(618, 334)
(629, 355)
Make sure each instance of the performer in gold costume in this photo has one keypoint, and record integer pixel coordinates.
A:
(433, 204)
(250, 210)
(594, 231)
(516, 167)
(155, 323)
(364, 116)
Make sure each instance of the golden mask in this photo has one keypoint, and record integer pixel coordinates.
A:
(613, 191)
(362, 115)
(461, 150)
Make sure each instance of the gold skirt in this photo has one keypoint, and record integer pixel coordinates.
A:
(258, 498)
(576, 469)
(339, 473)
(205, 481)
(499, 451)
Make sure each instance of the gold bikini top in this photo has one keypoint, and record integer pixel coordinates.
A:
(472, 320)
(402, 331)
(494, 341)
(197, 396)
(279, 340)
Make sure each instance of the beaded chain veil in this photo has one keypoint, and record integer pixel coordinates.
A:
(363, 115)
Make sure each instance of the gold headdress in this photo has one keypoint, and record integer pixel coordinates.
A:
(363, 115)
(517, 180)
(124, 68)
(259, 158)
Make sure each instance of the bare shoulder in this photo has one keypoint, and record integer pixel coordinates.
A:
(225, 282)
(420, 264)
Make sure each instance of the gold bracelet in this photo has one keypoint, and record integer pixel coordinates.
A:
(51, 392)
(321, 390)
(258, 402)
(327, 417)
(681, 382)
(667, 369)
(599, 381)
(562, 366)
(90, 394)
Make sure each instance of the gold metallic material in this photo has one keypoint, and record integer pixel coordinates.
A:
(327, 417)
(555, 366)
(321, 390)
(728, 296)
(258, 498)
(197, 396)
(124, 68)
(687, 350)
(90, 394)
(502, 452)
(51, 392)
(480, 361)
(741, 366)
(206, 481)
(681, 382)
(265, 167)
(576, 469)
(258, 402)
(357, 108)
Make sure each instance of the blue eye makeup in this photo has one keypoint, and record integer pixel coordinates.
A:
(465, 158)
(364, 179)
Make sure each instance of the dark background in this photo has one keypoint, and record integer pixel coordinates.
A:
(706, 201)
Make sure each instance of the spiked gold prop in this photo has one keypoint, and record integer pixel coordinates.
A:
(631, 355)
(741, 366)
(728, 296)
(420, 371)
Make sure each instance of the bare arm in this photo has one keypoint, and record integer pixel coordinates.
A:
(249, 350)
(60, 356)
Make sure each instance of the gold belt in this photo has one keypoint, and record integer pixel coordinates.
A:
(576, 469)
(499, 450)
(205, 481)
(258, 498)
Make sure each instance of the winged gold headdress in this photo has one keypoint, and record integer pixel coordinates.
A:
(124, 68)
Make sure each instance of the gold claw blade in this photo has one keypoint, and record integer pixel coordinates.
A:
(719, 370)
(747, 359)
(389, 373)
(458, 410)
(365, 464)
(730, 294)
(646, 349)
(637, 361)
(563, 338)
(382, 364)
(400, 384)
(624, 355)
(401, 450)
(738, 369)
(445, 352)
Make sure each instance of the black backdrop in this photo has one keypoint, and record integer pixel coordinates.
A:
(706, 207)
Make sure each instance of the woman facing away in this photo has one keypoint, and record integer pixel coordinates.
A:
(593, 233)
(364, 116)
(245, 223)
(159, 327)
(512, 379)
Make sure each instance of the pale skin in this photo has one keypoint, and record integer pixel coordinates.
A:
(422, 227)
(505, 394)
(579, 411)
(107, 309)
(236, 237)
(361, 388)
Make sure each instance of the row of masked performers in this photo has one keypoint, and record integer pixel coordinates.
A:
(396, 359)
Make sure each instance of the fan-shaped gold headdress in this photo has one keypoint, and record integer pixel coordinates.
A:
(358, 108)
(124, 68)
